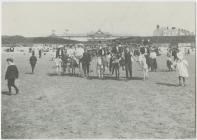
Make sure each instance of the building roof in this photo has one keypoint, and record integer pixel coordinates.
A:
(99, 34)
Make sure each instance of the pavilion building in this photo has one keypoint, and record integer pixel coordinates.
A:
(98, 36)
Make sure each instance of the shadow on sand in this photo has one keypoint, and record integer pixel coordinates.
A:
(28, 73)
(109, 77)
(6, 93)
(106, 77)
(137, 78)
(66, 74)
(163, 70)
(167, 84)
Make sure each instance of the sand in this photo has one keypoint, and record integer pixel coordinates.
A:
(52, 106)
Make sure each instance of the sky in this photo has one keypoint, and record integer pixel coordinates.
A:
(33, 19)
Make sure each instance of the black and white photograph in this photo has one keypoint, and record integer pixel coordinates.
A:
(98, 70)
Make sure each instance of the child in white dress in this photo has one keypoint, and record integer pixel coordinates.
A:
(142, 61)
(181, 66)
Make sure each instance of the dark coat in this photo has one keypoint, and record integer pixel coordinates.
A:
(12, 72)
(58, 51)
(86, 58)
(174, 53)
(127, 58)
(33, 60)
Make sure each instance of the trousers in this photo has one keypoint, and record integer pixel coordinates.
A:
(11, 83)
(128, 68)
(85, 68)
(33, 67)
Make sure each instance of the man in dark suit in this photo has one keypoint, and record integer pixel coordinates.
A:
(11, 75)
(128, 64)
(33, 61)
(86, 62)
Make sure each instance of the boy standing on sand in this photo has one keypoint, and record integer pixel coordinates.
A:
(11, 75)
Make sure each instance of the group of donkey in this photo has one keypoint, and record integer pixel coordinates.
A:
(71, 59)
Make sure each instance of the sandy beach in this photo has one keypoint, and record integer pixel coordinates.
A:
(52, 106)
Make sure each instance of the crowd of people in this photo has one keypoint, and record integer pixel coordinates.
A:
(111, 58)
